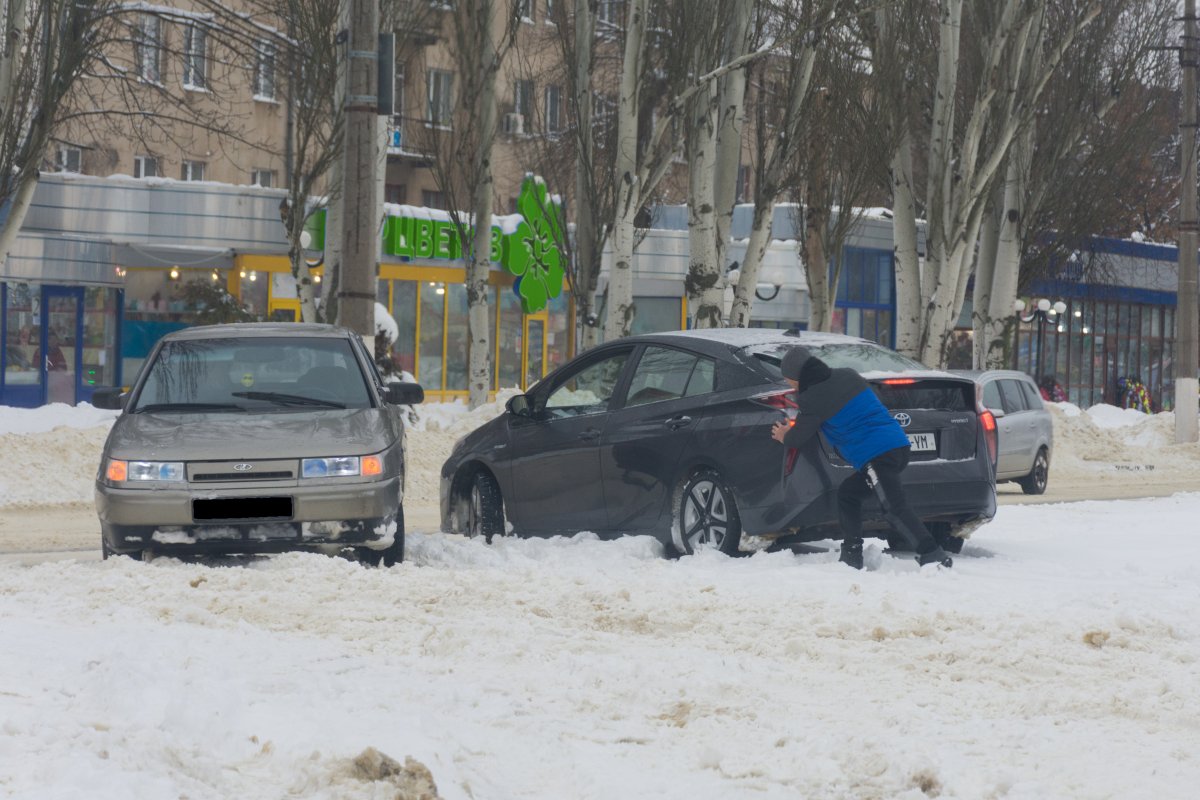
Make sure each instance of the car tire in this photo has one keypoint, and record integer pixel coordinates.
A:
(705, 514)
(485, 508)
(1035, 482)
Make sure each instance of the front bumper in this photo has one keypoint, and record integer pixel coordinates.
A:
(341, 513)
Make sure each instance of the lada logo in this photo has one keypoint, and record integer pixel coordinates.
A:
(904, 419)
(242, 467)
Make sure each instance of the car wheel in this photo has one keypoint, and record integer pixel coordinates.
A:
(706, 515)
(1035, 482)
(395, 554)
(485, 508)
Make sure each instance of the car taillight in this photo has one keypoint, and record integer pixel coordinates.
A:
(988, 420)
(781, 401)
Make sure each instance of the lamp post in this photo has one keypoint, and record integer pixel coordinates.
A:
(1042, 311)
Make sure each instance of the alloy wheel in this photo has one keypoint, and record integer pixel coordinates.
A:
(705, 517)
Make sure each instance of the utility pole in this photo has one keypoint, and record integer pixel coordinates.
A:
(356, 289)
(1187, 346)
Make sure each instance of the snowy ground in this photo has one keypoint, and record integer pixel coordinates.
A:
(1056, 660)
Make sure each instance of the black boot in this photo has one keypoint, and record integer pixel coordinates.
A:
(852, 555)
(935, 555)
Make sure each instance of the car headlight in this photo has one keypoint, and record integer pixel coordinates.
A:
(341, 466)
(119, 470)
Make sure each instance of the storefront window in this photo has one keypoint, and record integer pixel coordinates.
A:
(656, 314)
(254, 291)
(534, 364)
(457, 337)
(429, 365)
(404, 311)
(99, 336)
(558, 336)
(510, 339)
(21, 334)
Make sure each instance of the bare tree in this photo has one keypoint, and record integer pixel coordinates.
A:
(1020, 46)
(1071, 145)
(482, 33)
(69, 67)
(783, 105)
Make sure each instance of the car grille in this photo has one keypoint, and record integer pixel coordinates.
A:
(241, 471)
(242, 476)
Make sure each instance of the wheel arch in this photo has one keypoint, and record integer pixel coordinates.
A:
(460, 487)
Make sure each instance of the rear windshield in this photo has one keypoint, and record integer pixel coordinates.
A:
(928, 394)
(283, 373)
(858, 356)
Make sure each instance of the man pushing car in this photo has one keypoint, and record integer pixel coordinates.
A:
(840, 404)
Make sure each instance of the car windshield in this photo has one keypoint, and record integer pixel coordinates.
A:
(859, 356)
(285, 373)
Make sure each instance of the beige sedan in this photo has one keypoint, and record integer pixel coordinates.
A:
(256, 438)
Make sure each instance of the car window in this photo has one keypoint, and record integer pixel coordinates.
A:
(991, 396)
(240, 373)
(704, 378)
(661, 374)
(588, 390)
(1014, 401)
(1032, 398)
(858, 356)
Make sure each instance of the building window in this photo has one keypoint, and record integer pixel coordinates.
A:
(609, 11)
(395, 193)
(264, 71)
(440, 86)
(147, 48)
(553, 109)
(525, 10)
(195, 57)
(68, 159)
(433, 199)
(260, 177)
(145, 167)
(550, 12)
(864, 295)
(192, 171)
(398, 92)
(523, 106)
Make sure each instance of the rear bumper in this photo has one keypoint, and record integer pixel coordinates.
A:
(336, 514)
(936, 491)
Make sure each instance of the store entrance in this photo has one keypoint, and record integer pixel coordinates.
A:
(59, 351)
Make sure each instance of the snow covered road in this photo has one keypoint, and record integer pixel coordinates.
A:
(1057, 659)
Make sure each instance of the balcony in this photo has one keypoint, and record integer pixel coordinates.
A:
(403, 141)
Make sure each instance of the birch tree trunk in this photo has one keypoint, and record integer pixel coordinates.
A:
(620, 278)
(479, 369)
(705, 284)
(904, 248)
(985, 268)
(1002, 289)
(19, 207)
(731, 115)
(756, 248)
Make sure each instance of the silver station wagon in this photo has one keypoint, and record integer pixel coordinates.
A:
(1024, 427)
(256, 438)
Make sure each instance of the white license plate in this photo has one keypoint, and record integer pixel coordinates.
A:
(922, 441)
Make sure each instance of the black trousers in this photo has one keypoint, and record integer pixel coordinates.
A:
(890, 492)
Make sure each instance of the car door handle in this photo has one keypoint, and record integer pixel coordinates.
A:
(675, 423)
(590, 435)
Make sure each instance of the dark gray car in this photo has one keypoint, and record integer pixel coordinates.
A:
(669, 434)
(1025, 429)
(255, 438)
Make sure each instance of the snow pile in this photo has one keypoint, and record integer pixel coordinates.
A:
(50, 454)
(49, 417)
(1054, 660)
(1106, 441)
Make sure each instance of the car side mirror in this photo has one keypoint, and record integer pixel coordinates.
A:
(112, 398)
(398, 393)
(518, 406)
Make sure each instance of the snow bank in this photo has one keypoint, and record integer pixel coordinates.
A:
(1109, 442)
(1054, 660)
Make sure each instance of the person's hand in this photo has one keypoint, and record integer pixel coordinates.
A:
(780, 429)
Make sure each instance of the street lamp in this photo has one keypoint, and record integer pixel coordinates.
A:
(1041, 311)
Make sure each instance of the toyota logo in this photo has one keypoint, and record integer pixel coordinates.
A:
(904, 419)
(245, 467)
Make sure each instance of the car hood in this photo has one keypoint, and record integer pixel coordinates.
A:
(225, 436)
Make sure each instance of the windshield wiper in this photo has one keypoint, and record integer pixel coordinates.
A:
(289, 399)
(188, 407)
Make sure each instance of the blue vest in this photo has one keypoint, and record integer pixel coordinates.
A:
(863, 429)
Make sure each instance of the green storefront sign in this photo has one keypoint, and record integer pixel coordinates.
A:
(530, 250)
